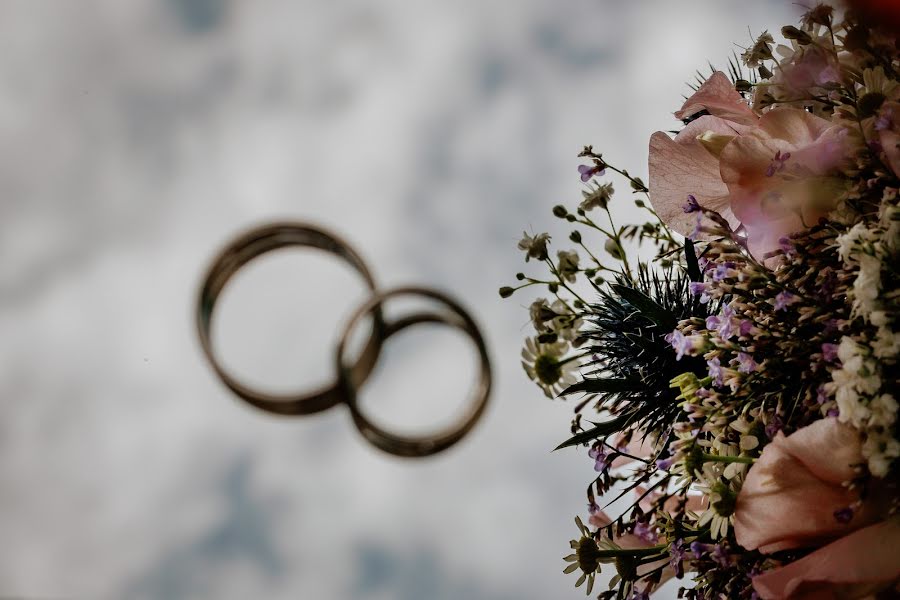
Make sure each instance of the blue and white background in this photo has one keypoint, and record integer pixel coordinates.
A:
(136, 136)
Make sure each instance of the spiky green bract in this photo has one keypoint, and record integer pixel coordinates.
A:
(632, 363)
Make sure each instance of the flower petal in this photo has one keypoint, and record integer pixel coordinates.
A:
(854, 566)
(792, 492)
(770, 203)
(682, 166)
(718, 97)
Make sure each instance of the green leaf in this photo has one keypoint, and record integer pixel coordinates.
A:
(601, 429)
(646, 305)
(693, 266)
(599, 386)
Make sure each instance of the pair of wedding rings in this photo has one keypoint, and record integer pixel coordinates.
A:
(350, 374)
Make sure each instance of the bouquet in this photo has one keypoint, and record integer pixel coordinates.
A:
(738, 391)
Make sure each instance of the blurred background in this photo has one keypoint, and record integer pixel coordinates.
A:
(138, 136)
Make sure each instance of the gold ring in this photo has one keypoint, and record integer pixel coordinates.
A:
(238, 253)
(421, 445)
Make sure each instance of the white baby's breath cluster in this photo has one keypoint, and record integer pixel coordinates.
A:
(868, 359)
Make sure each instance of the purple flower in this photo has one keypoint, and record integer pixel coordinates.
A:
(645, 532)
(676, 555)
(831, 326)
(783, 300)
(588, 171)
(720, 555)
(745, 328)
(843, 515)
(715, 370)
(773, 427)
(698, 227)
(691, 205)
(829, 352)
(746, 364)
(698, 288)
(726, 328)
(665, 464)
(600, 458)
(698, 548)
(712, 322)
(777, 163)
(787, 246)
(833, 412)
(684, 344)
(884, 120)
(821, 395)
(705, 264)
(723, 270)
(593, 507)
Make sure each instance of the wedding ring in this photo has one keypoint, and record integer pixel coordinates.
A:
(238, 253)
(455, 316)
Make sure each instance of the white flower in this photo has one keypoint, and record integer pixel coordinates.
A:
(852, 410)
(848, 350)
(878, 318)
(881, 449)
(545, 365)
(568, 264)
(539, 311)
(534, 247)
(884, 411)
(596, 197)
(867, 284)
(886, 343)
(848, 241)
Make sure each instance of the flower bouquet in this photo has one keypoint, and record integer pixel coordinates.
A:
(738, 392)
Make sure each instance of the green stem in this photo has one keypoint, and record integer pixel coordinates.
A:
(633, 551)
(728, 459)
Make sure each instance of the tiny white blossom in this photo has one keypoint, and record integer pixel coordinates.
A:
(534, 247)
(568, 264)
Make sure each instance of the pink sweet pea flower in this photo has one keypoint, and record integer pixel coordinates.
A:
(794, 497)
(774, 174)
(859, 565)
(779, 175)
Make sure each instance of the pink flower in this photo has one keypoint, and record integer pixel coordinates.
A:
(774, 174)
(813, 68)
(794, 497)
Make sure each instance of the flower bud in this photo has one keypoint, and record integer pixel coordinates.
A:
(506, 291)
(548, 338)
(612, 248)
(792, 33)
(714, 142)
